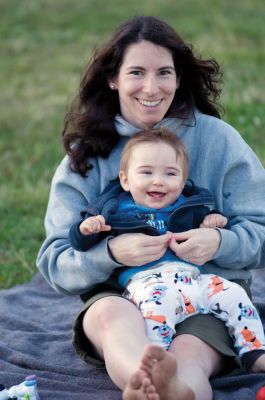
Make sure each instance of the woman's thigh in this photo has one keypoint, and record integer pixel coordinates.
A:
(105, 318)
(109, 316)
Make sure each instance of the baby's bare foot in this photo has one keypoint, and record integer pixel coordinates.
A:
(161, 366)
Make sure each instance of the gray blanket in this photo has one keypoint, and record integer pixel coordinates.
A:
(35, 338)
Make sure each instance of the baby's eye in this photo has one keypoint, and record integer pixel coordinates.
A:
(171, 174)
(146, 172)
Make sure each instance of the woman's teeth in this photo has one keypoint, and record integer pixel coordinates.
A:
(150, 103)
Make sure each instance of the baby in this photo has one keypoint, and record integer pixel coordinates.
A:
(154, 197)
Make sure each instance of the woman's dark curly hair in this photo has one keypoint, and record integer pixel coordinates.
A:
(89, 129)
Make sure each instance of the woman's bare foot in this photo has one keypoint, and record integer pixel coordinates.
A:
(140, 387)
(161, 366)
(156, 378)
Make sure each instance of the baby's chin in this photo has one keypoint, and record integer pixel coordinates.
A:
(157, 203)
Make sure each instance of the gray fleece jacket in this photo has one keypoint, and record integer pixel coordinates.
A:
(219, 160)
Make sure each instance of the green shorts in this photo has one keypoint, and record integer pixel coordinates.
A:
(204, 326)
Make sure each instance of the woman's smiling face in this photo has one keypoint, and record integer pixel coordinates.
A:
(146, 84)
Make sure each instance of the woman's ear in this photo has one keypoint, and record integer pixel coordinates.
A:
(112, 85)
(124, 180)
(178, 78)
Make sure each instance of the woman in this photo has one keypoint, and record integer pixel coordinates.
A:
(146, 76)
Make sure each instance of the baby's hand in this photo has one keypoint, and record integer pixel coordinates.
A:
(94, 225)
(214, 221)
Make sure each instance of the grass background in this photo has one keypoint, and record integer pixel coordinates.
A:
(44, 46)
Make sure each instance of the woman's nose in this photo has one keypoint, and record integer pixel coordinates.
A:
(150, 86)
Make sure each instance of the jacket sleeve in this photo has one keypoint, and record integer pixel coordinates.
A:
(67, 270)
(243, 245)
(200, 214)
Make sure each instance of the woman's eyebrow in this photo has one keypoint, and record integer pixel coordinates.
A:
(141, 67)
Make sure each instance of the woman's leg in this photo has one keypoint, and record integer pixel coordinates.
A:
(259, 365)
(162, 369)
(182, 373)
(197, 362)
(116, 328)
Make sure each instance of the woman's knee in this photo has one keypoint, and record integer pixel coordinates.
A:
(108, 311)
(99, 319)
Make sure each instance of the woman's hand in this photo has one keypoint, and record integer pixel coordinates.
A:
(196, 245)
(133, 249)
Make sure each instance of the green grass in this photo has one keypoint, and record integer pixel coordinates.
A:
(44, 46)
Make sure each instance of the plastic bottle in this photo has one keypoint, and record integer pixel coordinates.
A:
(3, 392)
(25, 390)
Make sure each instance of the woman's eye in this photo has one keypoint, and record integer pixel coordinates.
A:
(137, 73)
(165, 72)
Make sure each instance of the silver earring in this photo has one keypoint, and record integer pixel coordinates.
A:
(112, 87)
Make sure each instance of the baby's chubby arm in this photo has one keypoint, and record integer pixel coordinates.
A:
(214, 221)
(94, 225)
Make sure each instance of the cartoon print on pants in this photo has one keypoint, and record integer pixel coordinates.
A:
(149, 280)
(216, 286)
(251, 340)
(247, 312)
(164, 332)
(218, 309)
(183, 277)
(149, 314)
(189, 308)
(157, 293)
